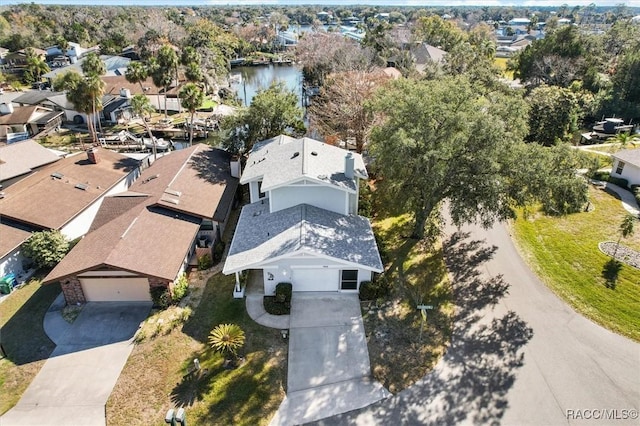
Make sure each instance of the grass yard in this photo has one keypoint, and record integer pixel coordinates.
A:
(23, 338)
(153, 380)
(564, 252)
(502, 64)
(399, 355)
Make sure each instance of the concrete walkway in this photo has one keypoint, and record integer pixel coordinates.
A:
(254, 295)
(328, 369)
(628, 200)
(74, 384)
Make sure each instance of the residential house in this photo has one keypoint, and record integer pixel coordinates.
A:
(17, 61)
(626, 165)
(115, 65)
(145, 237)
(21, 123)
(422, 54)
(63, 195)
(21, 158)
(302, 225)
(119, 86)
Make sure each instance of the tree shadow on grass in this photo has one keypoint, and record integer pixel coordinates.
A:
(471, 382)
(610, 273)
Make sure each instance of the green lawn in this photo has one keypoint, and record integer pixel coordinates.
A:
(564, 253)
(23, 338)
(153, 379)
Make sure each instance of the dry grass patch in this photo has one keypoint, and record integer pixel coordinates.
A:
(400, 353)
(156, 376)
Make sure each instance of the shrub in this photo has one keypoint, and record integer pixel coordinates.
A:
(46, 248)
(180, 288)
(276, 308)
(283, 292)
(205, 262)
(367, 291)
(160, 296)
(606, 177)
(218, 250)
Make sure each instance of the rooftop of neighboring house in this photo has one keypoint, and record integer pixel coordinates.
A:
(261, 236)
(140, 231)
(35, 97)
(113, 64)
(20, 158)
(630, 156)
(27, 114)
(56, 193)
(284, 159)
(12, 237)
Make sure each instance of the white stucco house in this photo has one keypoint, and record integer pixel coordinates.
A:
(302, 225)
(626, 165)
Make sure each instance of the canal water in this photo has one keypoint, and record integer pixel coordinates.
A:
(247, 81)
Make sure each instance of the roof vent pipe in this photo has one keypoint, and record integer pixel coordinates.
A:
(349, 165)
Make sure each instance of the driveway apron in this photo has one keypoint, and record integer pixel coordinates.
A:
(74, 384)
(328, 370)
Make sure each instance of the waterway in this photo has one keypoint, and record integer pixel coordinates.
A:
(247, 81)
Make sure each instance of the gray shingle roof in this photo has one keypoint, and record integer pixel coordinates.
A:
(630, 156)
(21, 157)
(262, 236)
(35, 97)
(284, 159)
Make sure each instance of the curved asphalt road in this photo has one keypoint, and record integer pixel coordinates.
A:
(519, 355)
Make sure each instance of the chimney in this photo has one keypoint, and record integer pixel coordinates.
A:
(349, 164)
(92, 156)
(125, 93)
(235, 166)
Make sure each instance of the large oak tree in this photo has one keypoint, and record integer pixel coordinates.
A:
(448, 140)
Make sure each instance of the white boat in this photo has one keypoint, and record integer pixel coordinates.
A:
(161, 144)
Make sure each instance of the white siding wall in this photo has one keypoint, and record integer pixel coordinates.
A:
(253, 191)
(323, 197)
(629, 172)
(12, 262)
(81, 223)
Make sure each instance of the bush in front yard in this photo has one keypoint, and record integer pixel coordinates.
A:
(606, 177)
(367, 291)
(283, 292)
(46, 248)
(180, 287)
(276, 308)
(160, 296)
(205, 262)
(371, 290)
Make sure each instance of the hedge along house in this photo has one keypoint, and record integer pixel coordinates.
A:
(626, 165)
(145, 237)
(302, 225)
(64, 194)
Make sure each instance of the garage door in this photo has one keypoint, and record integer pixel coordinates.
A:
(116, 289)
(315, 279)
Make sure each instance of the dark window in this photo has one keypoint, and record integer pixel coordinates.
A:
(260, 193)
(620, 167)
(349, 279)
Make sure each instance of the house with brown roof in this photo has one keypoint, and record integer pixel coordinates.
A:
(145, 237)
(19, 123)
(63, 195)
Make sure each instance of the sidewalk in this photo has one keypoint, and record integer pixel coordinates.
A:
(254, 294)
(626, 197)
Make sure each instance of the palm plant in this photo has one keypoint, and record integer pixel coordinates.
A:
(191, 97)
(163, 69)
(35, 67)
(94, 68)
(626, 229)
(227, 339)
(136, 73)
(140, 105)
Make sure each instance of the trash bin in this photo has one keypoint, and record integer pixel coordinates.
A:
(7, 283)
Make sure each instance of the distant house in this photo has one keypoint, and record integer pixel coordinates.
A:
(302, 225)
(115, 65)
(119, 86)
(19, 123)
(146, 237)
(63, 195)
(16, 61)
(422, 55)
(626, 165)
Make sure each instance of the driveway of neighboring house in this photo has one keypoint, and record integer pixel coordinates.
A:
(74, 384)
(329, 370)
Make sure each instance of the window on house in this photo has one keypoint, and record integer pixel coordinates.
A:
(260, 193)
(620, 167)
(349, 279)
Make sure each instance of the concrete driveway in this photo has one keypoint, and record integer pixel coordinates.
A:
(328, 370)
(74, 384)
(518, 356)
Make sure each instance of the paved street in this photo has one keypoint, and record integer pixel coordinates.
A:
(519, 355)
